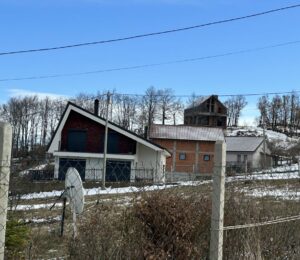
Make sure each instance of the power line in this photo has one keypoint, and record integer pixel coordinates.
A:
(220, 95)
(270, 222)
(152, 33)
(152, 64)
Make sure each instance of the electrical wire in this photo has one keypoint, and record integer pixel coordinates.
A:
(152, 33)
(219, 95)
(152, 64)
(271, 222)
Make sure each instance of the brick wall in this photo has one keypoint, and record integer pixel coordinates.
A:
(195, 151)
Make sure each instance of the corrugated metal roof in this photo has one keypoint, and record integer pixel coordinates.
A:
(242, 144)
(183, 132)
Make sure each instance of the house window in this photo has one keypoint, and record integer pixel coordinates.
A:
(212, 106)
(220, 121)
(203, 120)
(206, 157)
(239, 157)
(77, 139)
(207, 106)
(182, 156)
(113, 144)
(245, 157)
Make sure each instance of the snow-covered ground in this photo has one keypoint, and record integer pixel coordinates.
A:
(278, 193)
(38, 167)
(22, 207)
(279, 173)
(96, 191)
(266, 176)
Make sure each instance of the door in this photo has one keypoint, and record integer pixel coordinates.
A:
(66, 163)
(118, 170)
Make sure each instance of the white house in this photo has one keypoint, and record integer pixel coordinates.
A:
(250, 150)
(79, 142)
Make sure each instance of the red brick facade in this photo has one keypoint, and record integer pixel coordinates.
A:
(195, 153)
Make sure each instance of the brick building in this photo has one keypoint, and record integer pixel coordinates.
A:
(192, 147)
(206, 111)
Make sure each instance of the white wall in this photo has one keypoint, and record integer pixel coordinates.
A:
(150, 163)
(150, 159)
(232, 157)
(94, 168)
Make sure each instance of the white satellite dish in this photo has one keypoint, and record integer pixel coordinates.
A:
(74, 190)
(74, 193)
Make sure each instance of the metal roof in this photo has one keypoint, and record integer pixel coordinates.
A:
(242, 143)
(183, 132)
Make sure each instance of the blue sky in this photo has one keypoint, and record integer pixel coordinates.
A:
(34, 24)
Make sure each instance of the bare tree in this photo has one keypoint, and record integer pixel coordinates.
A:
(286, 101)
(177, 110)
(125, 109)
(149, 107)
(264, 106)
(168, 105)
(235, 106)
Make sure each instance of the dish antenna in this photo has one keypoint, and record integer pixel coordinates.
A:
(74, 194)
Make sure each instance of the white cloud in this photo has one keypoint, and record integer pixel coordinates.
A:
(15, 92)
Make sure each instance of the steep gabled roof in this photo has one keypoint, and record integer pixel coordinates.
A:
(199, 101)
(243, 144)
(183, 132)
(73, 107)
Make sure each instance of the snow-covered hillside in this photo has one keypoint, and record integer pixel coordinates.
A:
(280, 140)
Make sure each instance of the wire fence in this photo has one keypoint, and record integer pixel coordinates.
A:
(140, 216)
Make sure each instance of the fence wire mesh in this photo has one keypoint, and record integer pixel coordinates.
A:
(145, 218)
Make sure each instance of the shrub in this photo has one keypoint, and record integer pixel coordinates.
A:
(159, 225)
(17, 235)
(173, 227)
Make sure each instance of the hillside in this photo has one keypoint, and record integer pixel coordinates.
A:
(278, 140)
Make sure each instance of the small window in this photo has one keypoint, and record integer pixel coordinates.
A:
(206, 157)
(239, 158)
(245, 157)
(77, 139)
(182, 156)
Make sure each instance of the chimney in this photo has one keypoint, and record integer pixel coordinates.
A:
(146, 132)
(96, 107)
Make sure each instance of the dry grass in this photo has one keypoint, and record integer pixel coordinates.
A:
(172, 224)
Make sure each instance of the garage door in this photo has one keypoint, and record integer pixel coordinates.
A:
(65, 163)
(118, 170)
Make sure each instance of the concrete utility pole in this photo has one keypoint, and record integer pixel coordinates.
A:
(264, 147)
(5, 157)
(105, 140)
(217, 216)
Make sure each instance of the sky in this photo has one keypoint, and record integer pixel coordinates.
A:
(30, 24)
